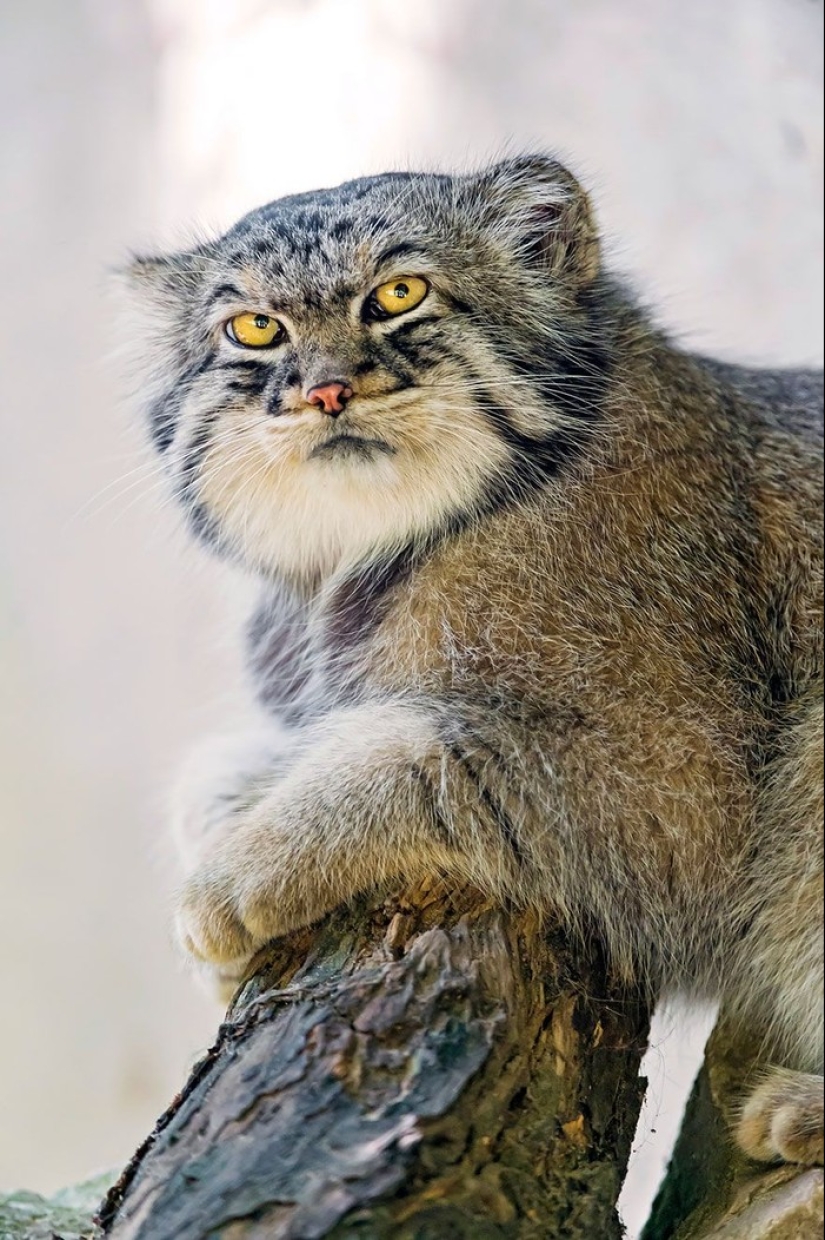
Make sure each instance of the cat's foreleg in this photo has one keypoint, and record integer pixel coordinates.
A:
(377, 792)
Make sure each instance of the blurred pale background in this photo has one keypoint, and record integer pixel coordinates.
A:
(127, 122)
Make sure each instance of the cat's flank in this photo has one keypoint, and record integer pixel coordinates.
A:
(541, 595)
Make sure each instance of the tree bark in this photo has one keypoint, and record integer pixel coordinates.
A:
(429, 1067)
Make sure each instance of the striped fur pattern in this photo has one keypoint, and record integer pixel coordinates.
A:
(541, 608)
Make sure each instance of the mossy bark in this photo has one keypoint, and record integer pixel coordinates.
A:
(431, 1067)
(67, 1215)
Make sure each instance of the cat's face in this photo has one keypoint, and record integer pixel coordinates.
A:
(349, 370)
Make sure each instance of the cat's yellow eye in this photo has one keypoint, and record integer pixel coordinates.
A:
(254, 331)
(399, 296)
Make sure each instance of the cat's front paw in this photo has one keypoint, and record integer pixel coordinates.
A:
(254, 887)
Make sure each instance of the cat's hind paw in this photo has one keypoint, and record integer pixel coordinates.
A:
(783, 1119)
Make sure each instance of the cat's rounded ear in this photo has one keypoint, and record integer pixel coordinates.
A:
(172, 278)
(151, 299)
(549, 214)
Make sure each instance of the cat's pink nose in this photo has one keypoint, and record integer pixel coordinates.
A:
(332, 397)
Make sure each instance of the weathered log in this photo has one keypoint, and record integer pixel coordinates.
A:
(429, 1067)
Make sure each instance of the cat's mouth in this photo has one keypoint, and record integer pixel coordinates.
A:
(348, 445)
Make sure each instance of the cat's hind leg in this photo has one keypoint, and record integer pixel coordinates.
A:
(779, 977)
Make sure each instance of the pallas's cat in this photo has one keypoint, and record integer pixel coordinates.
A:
(541, 594)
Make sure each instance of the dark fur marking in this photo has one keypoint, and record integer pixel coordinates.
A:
(303, 249)
(533, 461)
(244, 363)
(312, 221)
(456, 303)
(251, 376)
(250, 384)
(496, 810)
(341, 229)
(311, 301)
(277, 647)
(203, 524)
(205, 527)
(393, 366)
(421, 354)
(397, 251)
(375, 222)
(163, 414)
(223, 292)
(573, 376)
(273, 404)
(359, 604)
(409, 327)
(439, 823)
(163, 419)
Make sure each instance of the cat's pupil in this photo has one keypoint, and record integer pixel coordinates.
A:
(402, 290)
(261, 321)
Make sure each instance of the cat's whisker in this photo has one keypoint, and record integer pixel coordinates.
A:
(93, 507)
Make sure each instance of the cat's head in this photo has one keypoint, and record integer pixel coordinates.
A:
(349, 370)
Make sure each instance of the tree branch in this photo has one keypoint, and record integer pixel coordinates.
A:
(428, 1067)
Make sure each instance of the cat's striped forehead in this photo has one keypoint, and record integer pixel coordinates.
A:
(359, 209)
(331, 240)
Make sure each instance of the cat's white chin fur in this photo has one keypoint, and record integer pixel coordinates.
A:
(290, 513)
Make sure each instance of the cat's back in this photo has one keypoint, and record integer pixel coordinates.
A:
(786, 401)
(781, 529)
